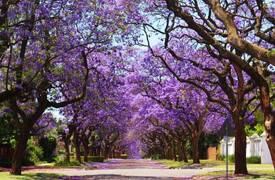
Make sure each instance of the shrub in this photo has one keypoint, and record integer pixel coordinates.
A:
(231, 158)
(33, 155)
(254, 160)
(124, 156)
(64, 163)
(60, 157)
(96, 159)
(155, 156)
(61, 161)
(220, 157)
(48, 144)
(249, 160)
(27, 162)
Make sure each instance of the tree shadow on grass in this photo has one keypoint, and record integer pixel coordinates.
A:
(260, 176)
(49, 176)
(52, 176)
(39, 176)
(119, 177)
(232, 176)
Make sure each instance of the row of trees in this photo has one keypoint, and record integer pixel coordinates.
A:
(48, 55)
(99, 121)
(180, 112)
(206, 61)
(222, 48)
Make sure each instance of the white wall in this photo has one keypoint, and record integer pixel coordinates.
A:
(248, 149)
(265, 153)
(231, 146)
(256, 146)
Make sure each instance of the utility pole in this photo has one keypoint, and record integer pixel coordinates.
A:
(226, 146)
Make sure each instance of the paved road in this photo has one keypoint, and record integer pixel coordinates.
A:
(128, 164)
(126, 169)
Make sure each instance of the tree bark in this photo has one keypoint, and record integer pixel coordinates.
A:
(240, 148)
(179, 149)
(271, 146)
(183, 151)
(85, 142)
(235, 39)
(86, 153)
(106, 152)
(20, 150)
(166, 152)
(169, 153)
(269, 119)
(195, 149)
(114, 152)
(99, 150)
(77, 146)
(174, 150)
(67, 149)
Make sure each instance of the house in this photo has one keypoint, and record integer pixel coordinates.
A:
(255, 146)
(212, 153)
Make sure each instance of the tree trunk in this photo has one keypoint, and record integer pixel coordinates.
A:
(271, 146)
(183, 152)
(166, 152)
(77, 146)
(174, 150)
(67, 149)
(85, 143)
(86, 151)
(106, 152)
(180, 153)
(99, 150)
(20, 150)
(195, 149)
(169, 153)
(114, 153)
(240, 148)
(269, 120)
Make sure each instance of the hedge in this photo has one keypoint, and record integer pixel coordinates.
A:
(249, 160)
(96, 159)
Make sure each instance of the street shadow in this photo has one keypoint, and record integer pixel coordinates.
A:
(39, 176)
(119, 177)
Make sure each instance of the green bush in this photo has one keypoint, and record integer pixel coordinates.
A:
(64, 163)
(249, 160)
(124, 156)
(155, 156)
(231, 158)
(33, 155)
(61, 161)
(48, 144)
(27, 162)
(253, 160)
(60, 157)
(220, 157)
(96, 159)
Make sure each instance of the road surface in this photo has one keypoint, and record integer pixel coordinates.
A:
(122, 169)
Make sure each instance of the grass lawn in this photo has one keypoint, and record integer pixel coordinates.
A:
(30, 176)
(52, 164)
(176, 164)
(256, 171)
